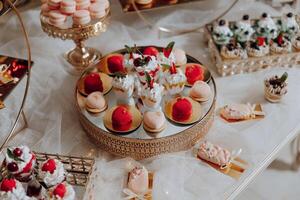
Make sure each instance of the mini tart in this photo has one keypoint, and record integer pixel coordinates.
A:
(92, 106)
(154, 115)
(257, 51)
(136, 119)
(204, 74)
(285, 47)
(296, 43)
(196, 111)
(106, 81)
(103, 64)
(233, 51)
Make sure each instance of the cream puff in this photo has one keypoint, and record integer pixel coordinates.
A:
(95, 102)
(200, 91)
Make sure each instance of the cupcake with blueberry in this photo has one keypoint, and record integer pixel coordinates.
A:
(276, 87)
(20, 162)
(233, 50)
(281, 45)
(52, 172)
(258, 48)
(62, 191)
(221, 33)
(288, 25)
(11, 189)
(174, 80)
(266, 27)
(243, 31)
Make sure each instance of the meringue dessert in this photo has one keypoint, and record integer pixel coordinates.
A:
(174, 80)
(276, 87)
(11, 189)
(221, 33)
(52, 172)
(123, 86)
(200, 91)
(180, 57)
(214, 154)
(95, 102)
(167, 57)
(147, 64)
(62, 191)
(20, 162)
(151, 95)
(138, 180)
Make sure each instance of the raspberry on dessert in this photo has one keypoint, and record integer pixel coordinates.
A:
(93, 83)
(115, 63)
(182, 109)
(60, 190)
(150, 51)
(8, 185)
(28, 167)
(194, 73)
(121, 119)
(17, 152)
(49, 166)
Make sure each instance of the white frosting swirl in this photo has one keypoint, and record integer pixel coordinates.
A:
(17, 193)
(26, 156)
(57, 177)
(124, 83)
(151, 65)
(162, 59)
(221, 34)
(289, 25)
(69, 195)
(154, 93)
(268, 25)
(176, 78)
(244, 27)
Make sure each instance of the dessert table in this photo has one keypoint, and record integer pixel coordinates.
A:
(53, 124)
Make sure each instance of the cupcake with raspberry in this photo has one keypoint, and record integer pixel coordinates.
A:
(147, 64)
(258, 48)
(233, 50)
(62, 191)
(52, 172)
(174, 80)
(288, 25)
(123, 86)
(11, 189)
(221, 33)
(281, 45)
(20, 162)
(167, 57)
(266, 27)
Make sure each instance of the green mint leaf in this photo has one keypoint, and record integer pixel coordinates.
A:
(12, 156)
(170, 46)
(148, 78)
(283, 77)
(128, 49)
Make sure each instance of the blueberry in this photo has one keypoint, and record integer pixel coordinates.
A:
(222, 22)
(264, 15)
(246, 33)
(289, 14)
(245, 17)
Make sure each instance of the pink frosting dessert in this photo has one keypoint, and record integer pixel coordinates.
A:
(214, 154)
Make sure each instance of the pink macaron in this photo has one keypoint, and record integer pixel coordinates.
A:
(81, 17)
(97, 10)
(104, 3)
(54, 4)
(45, 10)
(56, 18)
(68, 7)
(83, 4)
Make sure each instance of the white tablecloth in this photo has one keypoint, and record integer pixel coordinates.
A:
(54, 125)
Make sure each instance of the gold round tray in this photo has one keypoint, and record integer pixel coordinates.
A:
(139, 144)
(80, 57)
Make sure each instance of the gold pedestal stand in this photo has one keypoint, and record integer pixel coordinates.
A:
(81, 56)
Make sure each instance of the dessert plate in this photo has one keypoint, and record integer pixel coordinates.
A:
(139, 144)
(106, 80)
(205, 73)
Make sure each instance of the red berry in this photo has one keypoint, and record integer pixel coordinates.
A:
(121, 119)
(8, 185)
(173, 69)
(12, 167)
(17, 152)
(182, 109)
(150, 51)
(60, 190)
(93, 83)
(280, 39)
(49, 166)
(193, 73)
(115, 63)
(260, 41)
(28, 167)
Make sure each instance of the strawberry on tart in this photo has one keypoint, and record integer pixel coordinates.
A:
(62, 191)
(11, 189)
(20, 162)
(52, 172)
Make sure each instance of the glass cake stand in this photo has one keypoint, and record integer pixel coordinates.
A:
(139, 144)
(81, 56)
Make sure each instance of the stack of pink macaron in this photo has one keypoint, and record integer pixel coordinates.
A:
(81, 11)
